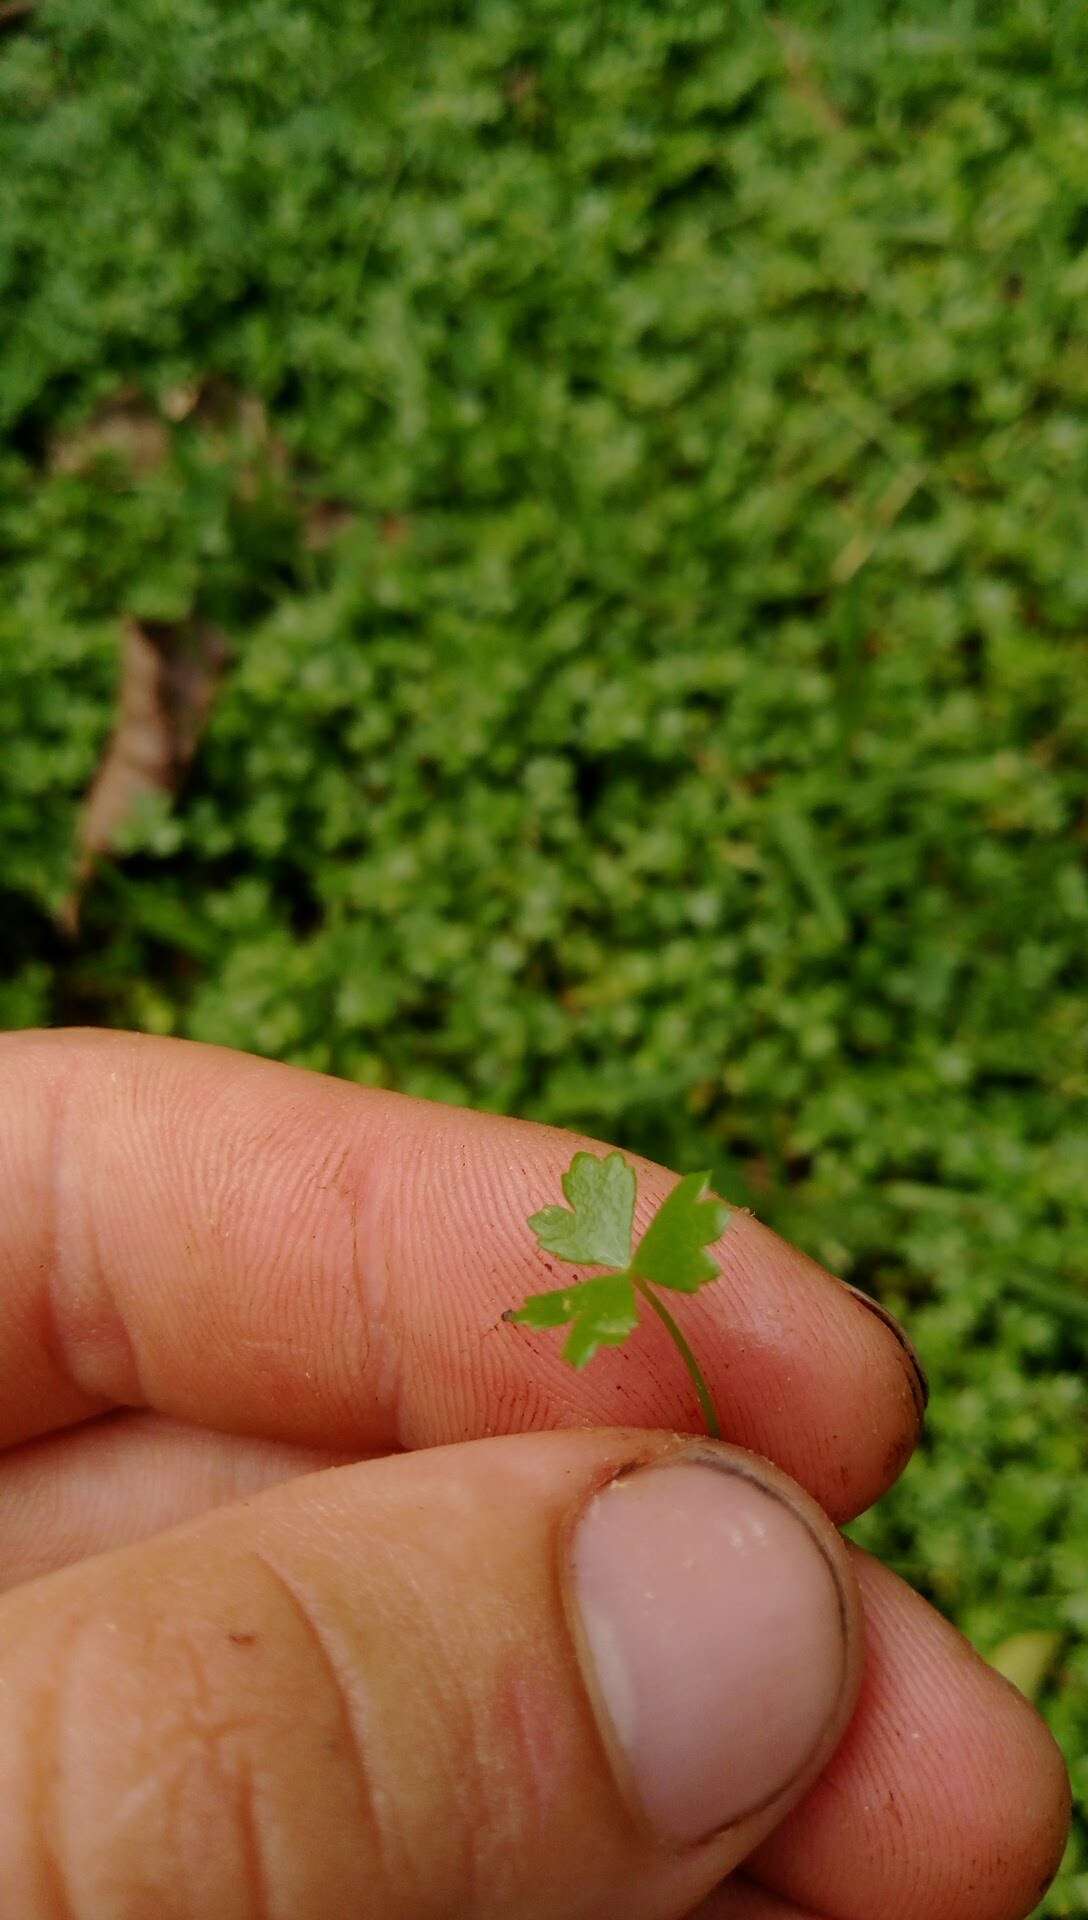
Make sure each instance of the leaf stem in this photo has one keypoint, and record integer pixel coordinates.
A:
(710, 1415)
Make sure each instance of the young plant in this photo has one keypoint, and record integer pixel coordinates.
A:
(595, 1231)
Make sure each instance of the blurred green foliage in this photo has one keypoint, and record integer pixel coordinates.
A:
(684, 734)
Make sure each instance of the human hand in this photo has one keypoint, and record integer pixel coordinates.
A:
(573, 1671)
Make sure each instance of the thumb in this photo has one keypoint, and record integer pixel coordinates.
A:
(552, 1675)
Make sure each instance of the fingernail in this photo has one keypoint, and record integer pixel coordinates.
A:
(712, 1630)
(920, 1382)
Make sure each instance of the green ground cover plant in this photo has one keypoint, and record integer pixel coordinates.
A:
(638, 458)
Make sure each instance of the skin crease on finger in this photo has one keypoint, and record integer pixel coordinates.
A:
(347, 1256)
(123, 1477)
(741, 1899)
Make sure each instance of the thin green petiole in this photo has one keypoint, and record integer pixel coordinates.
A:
(710, 1414)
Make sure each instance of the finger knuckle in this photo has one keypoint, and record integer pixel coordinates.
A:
(217, 1746)
(149, 1764)
(190, 1758)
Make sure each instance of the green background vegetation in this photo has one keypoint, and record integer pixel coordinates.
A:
(657, 588)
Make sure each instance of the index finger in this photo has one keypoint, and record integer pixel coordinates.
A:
(261, 1249)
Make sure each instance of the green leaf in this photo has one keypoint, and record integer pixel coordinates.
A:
(672, 1252)
(1027, 1659)
(602, 1312)
(596, 1231)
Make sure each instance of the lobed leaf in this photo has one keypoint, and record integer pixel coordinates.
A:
(672, 1251)
(601, 1312)
(596, 1230)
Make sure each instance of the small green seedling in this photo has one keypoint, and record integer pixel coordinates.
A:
(596, 1231)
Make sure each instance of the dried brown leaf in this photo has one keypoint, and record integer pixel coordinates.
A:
(178, 402)
(168, 681)
(232, 421)
(324, 522)
(127, 427)
(138, 432)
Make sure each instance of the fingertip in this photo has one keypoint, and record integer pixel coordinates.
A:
(1045, 1809)
(948, 1798)
(818, 1379)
